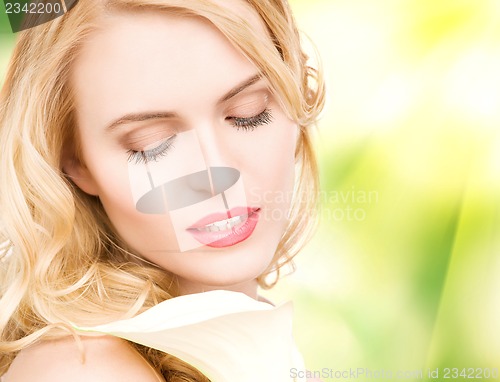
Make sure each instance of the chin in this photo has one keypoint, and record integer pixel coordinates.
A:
(222, 272)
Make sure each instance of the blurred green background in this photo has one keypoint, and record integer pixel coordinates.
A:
(403, 273)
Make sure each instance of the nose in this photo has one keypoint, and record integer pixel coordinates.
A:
(212, 144)
(214, 151)
(188, 190)
(197, 186)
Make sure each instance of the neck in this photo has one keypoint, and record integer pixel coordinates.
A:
(248, 287)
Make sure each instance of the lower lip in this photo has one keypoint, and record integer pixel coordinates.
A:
(230, 237)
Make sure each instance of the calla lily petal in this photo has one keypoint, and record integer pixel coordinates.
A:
(228, 336)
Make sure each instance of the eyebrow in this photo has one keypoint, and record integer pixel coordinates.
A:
(139, 117)
(239, 88)
(146, 116)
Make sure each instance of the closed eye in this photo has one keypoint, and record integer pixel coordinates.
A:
(153, 154)
(251, 123)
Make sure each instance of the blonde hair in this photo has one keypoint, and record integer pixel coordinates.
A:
(61, 262)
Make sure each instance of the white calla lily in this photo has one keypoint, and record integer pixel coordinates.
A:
(227, 335)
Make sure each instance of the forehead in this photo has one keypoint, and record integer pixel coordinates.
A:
(153, 60)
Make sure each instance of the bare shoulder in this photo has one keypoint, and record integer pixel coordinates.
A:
(106, 359)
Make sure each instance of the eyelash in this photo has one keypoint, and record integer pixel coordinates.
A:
(246, 124)
(251, 123)
(145, 156)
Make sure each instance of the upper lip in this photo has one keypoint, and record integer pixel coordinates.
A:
(221, 216)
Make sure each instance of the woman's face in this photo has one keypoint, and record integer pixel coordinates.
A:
(185, 146)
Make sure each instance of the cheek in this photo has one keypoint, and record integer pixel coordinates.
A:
(273, 159)
(112, 180)
(114, 190)
(139, 230)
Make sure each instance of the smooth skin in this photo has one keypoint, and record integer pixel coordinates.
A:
(107, 359)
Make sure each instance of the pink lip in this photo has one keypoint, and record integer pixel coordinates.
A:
(226, 237)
